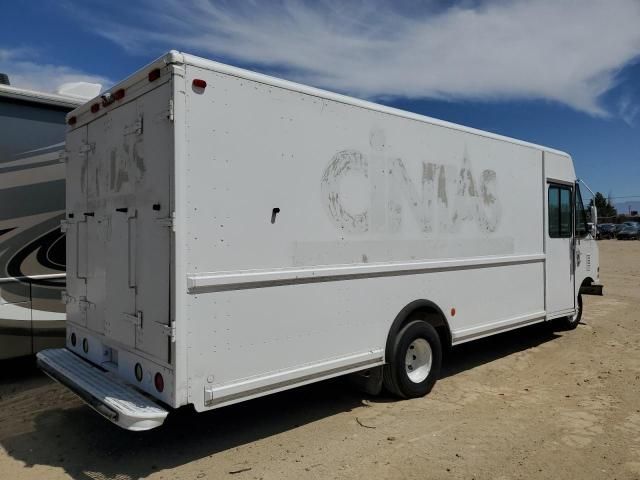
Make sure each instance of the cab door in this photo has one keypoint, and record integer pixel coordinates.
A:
(560, 263)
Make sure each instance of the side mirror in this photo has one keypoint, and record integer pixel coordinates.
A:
(594, 221)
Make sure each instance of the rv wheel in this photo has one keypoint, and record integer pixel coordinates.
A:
(415, 361)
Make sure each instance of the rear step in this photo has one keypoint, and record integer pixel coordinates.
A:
(107, 395)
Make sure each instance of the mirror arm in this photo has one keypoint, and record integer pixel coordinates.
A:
(586, 186)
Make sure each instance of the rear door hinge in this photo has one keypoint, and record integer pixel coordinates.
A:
(65, 224)
(66, 298)
(169, 330)
(170, 115)
(167, 221)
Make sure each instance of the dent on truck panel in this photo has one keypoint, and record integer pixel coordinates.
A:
(443, 198)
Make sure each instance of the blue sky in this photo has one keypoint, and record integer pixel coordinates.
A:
(563, 74)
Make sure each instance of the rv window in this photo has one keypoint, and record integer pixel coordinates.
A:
(559, 212)
(581, 218)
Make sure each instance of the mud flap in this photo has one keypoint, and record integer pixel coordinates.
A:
(369, 381)
(591, 289)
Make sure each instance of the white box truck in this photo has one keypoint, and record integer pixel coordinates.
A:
(231, 235)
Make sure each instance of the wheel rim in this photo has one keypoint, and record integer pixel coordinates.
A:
(418, 360)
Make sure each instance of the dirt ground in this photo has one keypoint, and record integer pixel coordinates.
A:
(533, 403)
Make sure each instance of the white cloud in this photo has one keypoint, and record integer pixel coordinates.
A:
(26, 71)
(628, 110)
(566, 51)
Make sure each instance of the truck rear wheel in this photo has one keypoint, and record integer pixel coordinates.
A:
(414, 362)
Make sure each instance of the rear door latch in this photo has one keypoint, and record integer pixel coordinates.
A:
(85, 304)
(136, 319)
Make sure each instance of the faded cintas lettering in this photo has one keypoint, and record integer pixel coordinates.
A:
(442, 199)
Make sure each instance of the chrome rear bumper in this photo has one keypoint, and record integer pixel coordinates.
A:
(105, 393)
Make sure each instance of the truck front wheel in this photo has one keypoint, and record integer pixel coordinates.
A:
(572, 321)
(414, 362)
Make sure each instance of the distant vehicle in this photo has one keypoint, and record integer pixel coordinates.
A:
(32, 203)
(606, 230)
(630, 232)
(231, 235)
(618, 229)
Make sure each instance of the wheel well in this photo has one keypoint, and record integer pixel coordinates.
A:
(430, 313)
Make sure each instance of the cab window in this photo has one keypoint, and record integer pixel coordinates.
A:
(560, 211)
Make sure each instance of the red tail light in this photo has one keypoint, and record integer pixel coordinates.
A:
(118, 94)
(72, 120)
(198, 83)
(95, 108)
(159, 382)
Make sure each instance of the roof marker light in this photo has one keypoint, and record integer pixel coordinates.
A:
(199, 83)
(118, 94)
(72, 120)
(95, 108)
(154, 74)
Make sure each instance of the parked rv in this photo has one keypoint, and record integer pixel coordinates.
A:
(32, 247)
(231, 235)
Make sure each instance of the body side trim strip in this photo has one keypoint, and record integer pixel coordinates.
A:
(221, 281)
(474, 333)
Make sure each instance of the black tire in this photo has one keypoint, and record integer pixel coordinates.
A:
(571, 322)
(396, 377)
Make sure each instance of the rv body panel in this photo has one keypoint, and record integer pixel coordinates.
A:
(32, 203)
